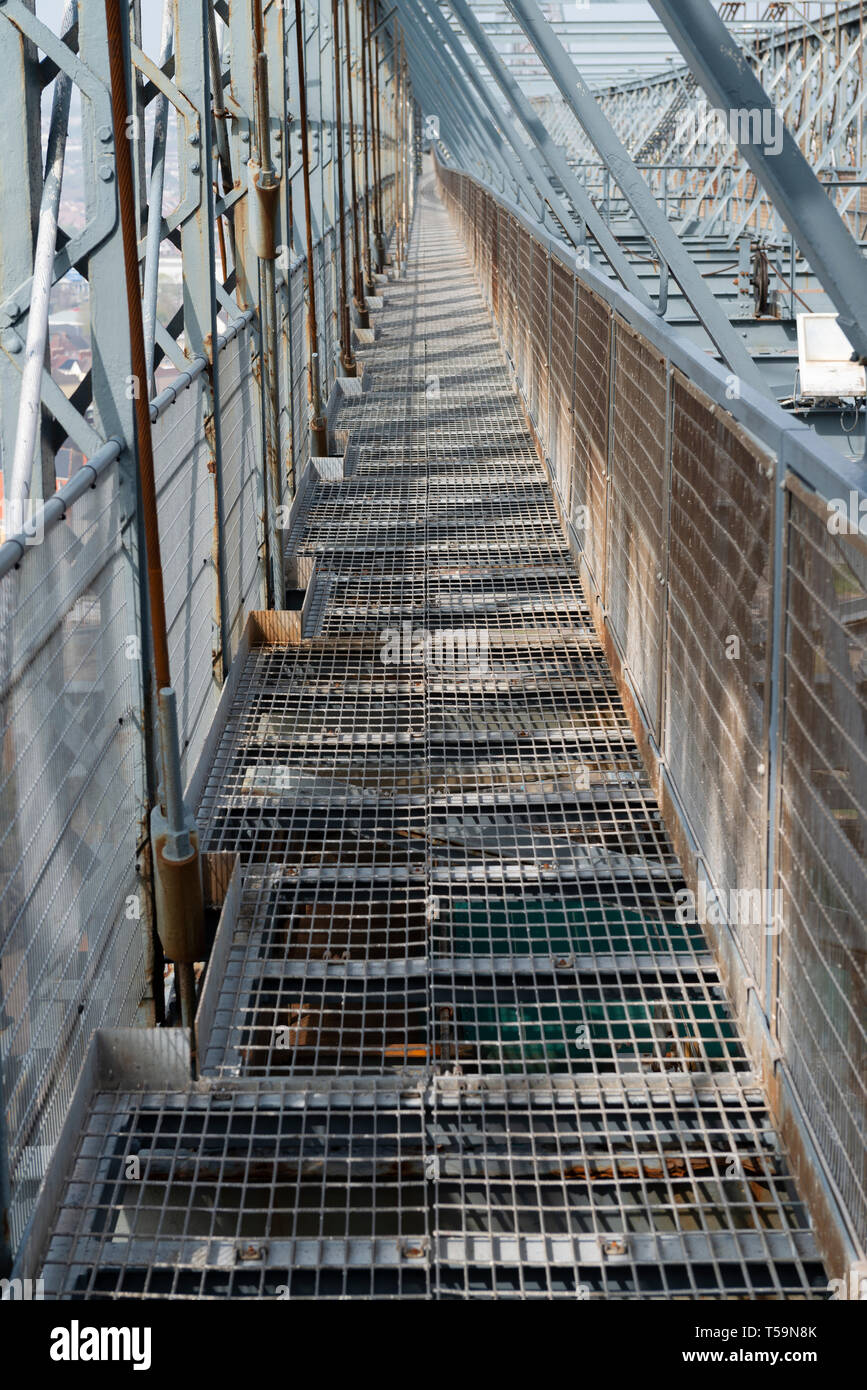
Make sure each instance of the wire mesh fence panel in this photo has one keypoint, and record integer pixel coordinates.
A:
(561, 374)
(508, 288)
(717, 658)
(822, 876)
(590, 427)
(540, 319)
(240, 418)
(524, 293)
(638, 511)
(187, 518)
(71, 940)
(495, 261)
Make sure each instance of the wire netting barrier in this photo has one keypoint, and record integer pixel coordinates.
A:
(672, 504)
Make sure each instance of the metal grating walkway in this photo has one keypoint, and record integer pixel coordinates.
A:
(463, 1047)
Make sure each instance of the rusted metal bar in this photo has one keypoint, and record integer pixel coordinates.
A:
(222, 135)
(318, 425)
(180, 913)
(144, 445)
(379, 239)
(347, 356)
(365, 85)
(265, 191)
(398, 180)
(357, 284)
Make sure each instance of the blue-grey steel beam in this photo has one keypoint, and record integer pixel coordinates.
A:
(421, 45)
(552, 157)
(722, 68)
(615, 156)
(441, 92)
(529, 173)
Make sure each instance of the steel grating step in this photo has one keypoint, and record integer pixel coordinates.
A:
(655, 1187)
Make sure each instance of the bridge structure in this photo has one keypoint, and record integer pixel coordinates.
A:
(433, 651)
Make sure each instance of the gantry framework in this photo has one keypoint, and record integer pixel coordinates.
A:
(277, 408)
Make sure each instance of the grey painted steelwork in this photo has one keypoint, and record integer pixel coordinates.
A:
(720, 65)
(209, 384)
(578, 96)
(549, 153)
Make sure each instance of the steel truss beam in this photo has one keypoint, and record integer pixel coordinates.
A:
(550, 154)
(621, 168)
(723, 71)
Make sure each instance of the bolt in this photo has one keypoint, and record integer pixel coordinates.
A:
(195, 138)
(105, 133)
(11, 342)
(106, 172)
(195, 168)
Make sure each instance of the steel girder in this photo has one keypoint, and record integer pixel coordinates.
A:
(720, 65)
(621, 168)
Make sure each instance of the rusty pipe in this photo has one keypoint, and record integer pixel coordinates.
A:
(379, 239)
(264, 193)
(365, 83)
(347, 356)
(357, 285)
(319, 426)
(144, 443)
(178, 880)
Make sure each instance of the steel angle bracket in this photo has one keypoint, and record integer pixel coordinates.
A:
(102, 224)
(192, 166)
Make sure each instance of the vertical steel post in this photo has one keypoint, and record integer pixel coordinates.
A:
(368, 273)
(347, 356)
(357, 283)
(264, 186)
(179, 882)
(192, 74)
(379, 239)
(318, 424)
